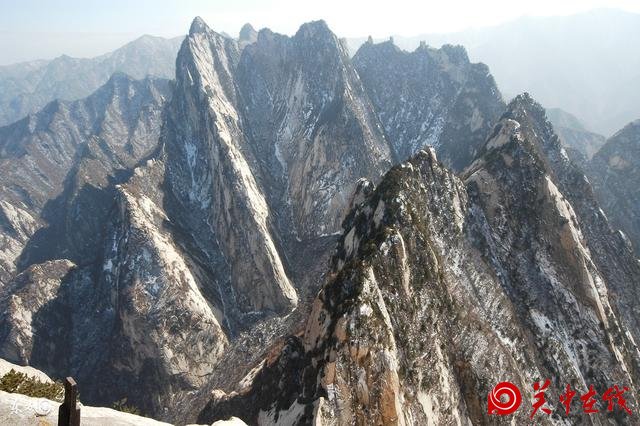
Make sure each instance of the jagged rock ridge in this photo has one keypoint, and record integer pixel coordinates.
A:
(56, 164)
(247, 35)
(443, 287)
(201, 237)
(63, 166)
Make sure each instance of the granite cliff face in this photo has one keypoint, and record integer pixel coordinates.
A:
(430, 97)
(63, 166)
(442, 287)
(209, 176)
(615, 176)
(264, 158)
(310, 118)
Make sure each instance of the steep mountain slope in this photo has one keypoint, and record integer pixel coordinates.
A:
(563, 61)
(57, 162)
(205, 161)
(206, 237)
(290, 142)
(430, 97)
(441, 288)
(27, 87)
(63, 166)
(311, 122)
(196, 235)
(573, 133)
(615, 174)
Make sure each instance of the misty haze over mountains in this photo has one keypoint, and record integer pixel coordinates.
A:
(583, 64)
(276, 229)
(587, 64)
(28, 86)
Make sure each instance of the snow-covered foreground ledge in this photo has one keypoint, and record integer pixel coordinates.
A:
(19, 410)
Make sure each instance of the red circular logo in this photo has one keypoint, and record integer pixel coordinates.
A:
(512, 401)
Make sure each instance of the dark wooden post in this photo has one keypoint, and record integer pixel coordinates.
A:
(69, 412)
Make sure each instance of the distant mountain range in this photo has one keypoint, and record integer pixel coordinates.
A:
(587, 64)
(574, 133)
(26, 87)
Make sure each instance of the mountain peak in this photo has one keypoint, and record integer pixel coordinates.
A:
(314, 29)
(523, 101)
(147, 38)
(457, 53)
(527, 111)
(371, 49)
(247, 32)
(633, 127)
(119, 76)
(198, 26)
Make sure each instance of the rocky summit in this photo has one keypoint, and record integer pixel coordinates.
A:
(443, 286)
(158, 224)
(288, 235)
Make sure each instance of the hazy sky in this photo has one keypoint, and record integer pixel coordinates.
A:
(33, 29)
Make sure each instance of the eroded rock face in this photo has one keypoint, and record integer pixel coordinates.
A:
(312, 123)
(61, 168)
(16, 225)
(198, 243)
(287, 123)
(430, 97)
(139, 319)
(443, 287)
(58, 166)
(210, 177)
(263, 149)
(167, 331)
(606, 251)
(35, 310)
(614, 174)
